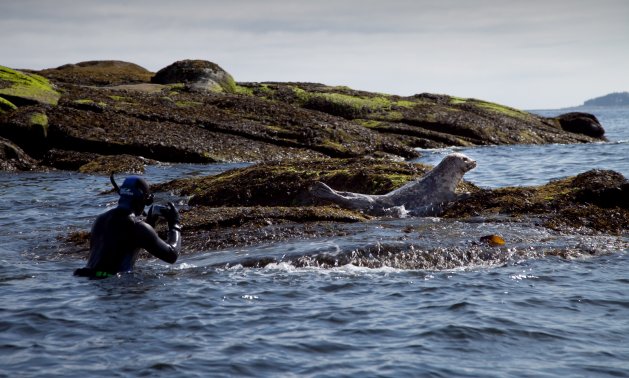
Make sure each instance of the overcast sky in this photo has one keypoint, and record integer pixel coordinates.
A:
(528, 54)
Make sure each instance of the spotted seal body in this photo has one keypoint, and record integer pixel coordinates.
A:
(421, 197)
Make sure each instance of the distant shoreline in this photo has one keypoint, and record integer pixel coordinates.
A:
(579, 108)
(616, 99)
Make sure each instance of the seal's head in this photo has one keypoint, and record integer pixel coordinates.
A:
(458, 162)
(135, 193)
(450, 171)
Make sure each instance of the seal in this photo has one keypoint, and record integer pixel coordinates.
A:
(425, 196)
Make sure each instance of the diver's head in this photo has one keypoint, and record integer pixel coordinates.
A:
(135, 194)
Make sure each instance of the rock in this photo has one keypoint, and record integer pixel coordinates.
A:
(183, 126)
(424, 120)
(6, 106)
(99, 72)
(28, 127)
(67, 160)
(198, 75)
(596, 200)
(92, 163)
(261, 122)
(603, 188)
(581, 123)
(13, 158)
(21, 88)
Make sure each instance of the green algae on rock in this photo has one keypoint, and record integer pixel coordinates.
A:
(21, 88)
(426, 120)
(6, 105)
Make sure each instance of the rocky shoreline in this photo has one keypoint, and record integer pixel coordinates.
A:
(108, 116)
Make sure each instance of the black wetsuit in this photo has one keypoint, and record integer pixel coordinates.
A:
(116, 240)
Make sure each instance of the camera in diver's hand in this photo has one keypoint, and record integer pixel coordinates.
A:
(158, 211)
(168, 213)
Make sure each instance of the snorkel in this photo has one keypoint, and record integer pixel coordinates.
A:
(113, 182)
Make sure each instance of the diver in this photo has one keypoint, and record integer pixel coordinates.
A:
(118, 235)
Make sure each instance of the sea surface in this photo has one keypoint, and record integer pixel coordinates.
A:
(409, 297)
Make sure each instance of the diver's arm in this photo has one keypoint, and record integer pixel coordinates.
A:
(164, 250)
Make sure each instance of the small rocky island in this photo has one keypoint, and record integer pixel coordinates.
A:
(109, 116)
(610, 100)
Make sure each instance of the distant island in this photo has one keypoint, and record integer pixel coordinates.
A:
(612, 99)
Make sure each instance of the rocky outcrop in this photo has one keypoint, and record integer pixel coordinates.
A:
(197, 75)
(425, 120)
(28, 127)
(194, 112)
(581, 123)
(99, 72)
(594, 201)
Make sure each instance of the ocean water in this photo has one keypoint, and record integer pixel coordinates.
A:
(410, 297)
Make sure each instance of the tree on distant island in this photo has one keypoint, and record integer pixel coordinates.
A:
(612, 99)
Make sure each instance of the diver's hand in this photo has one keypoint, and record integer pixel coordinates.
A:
(172, 216)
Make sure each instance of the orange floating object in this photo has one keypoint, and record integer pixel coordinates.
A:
(493, 240)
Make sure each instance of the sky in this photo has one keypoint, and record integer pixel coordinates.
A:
(533, 54)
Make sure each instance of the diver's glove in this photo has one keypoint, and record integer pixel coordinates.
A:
(172, 217)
